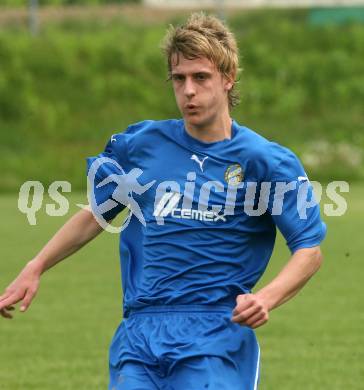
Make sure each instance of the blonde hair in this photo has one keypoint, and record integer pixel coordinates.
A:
(205, 36)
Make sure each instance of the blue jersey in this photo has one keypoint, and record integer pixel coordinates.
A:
(204, 216)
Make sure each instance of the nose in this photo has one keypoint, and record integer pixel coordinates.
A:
(189, 88)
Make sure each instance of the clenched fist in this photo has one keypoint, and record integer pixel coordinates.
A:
(250, 310)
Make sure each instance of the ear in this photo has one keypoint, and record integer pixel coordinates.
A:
(229, 85)
(229, 82)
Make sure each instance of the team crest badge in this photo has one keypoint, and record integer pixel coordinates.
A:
(234, 174)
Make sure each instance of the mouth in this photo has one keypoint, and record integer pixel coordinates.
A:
(191, 108)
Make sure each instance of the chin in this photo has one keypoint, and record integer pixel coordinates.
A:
(196, 120)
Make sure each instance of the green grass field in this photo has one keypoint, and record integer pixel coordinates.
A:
(315, 342)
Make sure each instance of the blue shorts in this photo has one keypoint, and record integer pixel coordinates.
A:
(194, 347)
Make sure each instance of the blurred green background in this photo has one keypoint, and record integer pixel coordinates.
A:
(88, 73)
(21, 3)
(66, 90)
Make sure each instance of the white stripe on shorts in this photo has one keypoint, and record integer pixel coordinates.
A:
(257, 370)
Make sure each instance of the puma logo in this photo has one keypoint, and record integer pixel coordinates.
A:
(199, 162)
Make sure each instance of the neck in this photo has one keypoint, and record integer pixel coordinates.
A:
(215, 130)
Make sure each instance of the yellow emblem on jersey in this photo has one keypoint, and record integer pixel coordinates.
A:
(234, 174)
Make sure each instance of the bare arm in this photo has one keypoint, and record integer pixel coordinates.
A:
(73, 235)
(253, 309)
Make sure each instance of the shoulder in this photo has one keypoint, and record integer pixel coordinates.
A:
(149, 127)
(142, 133)
(266, 160)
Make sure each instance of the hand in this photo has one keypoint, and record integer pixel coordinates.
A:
(250, 310)
(23, 288)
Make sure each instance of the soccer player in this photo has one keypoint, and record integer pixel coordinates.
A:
(206, 196)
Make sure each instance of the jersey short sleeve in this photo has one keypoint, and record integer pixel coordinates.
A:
(292, 204)
(103, 172)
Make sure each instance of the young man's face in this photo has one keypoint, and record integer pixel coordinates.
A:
(200, 90)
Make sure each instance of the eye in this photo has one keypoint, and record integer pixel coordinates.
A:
(178, 77)
(200, 76)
